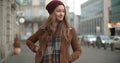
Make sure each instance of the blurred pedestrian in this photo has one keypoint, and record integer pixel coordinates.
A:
(17, 45)
(55, 37)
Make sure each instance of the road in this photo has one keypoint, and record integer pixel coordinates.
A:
(89, 55)
(95, 55)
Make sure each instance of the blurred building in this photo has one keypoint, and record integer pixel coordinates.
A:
(78, 24)
(71, 15)
(34, 13)
(8, 27)
(75, 21)
(95, 17)
(115, 14)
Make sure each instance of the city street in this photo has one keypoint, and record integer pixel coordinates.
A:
(89, 55)
(96, 22)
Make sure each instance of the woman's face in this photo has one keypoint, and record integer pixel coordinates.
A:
(60, 12)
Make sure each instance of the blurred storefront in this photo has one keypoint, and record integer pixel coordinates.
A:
(115, 14)
(114, 28)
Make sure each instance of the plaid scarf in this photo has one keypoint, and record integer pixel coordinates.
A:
(52, 50)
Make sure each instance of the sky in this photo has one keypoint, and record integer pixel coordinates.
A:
(77, 4)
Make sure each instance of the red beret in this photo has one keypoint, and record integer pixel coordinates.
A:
(52, 5)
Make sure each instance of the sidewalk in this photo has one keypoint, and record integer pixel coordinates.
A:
(26, 56)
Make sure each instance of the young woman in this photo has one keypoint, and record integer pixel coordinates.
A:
(55, 37)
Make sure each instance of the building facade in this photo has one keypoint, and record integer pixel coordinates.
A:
(34, 13)
(115, 14)
(95, 17)
(8, 26)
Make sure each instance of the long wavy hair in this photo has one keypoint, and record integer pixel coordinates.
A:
(51, 25)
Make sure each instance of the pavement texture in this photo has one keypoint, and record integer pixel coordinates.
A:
(89, 55)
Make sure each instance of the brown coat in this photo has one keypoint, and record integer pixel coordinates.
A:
(65, 56)
(17, 43)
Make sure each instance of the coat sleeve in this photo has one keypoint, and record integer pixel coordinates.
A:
(32, 40)
(75, 46)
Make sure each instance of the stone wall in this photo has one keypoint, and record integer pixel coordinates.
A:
(8, 28)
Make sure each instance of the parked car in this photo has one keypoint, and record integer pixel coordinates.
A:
(103, 41)
(115, 43)
(88, 39)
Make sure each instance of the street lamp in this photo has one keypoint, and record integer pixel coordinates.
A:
(21, 20)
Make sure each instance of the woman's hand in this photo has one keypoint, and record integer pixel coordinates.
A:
(36, 49)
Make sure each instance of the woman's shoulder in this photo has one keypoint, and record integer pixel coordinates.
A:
(71, 27)
(42, 27)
